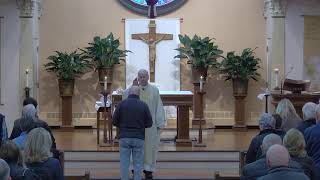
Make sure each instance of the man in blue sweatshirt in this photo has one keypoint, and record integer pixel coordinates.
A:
(132, 116)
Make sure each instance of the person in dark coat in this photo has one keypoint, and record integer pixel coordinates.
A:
(259, 168)
(295, 143)
(32, 113)
(3, 129)
(278, 163)
(309, 116)
(267, 126)
(11, 153)
(26, 125)
(312, 138)
(132, 116)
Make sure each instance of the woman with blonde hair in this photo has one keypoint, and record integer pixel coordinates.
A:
(295, 143)
(11, 153)
(290, 118)
(38, 156)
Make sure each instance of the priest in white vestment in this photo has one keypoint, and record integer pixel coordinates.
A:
(150, 95)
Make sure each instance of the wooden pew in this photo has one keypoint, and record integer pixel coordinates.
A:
(86, 176)
(61, 160)
(217, 176)
(242, 160)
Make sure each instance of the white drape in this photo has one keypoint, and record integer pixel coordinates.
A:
(167, 69)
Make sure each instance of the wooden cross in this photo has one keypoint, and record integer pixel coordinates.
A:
(152, 38)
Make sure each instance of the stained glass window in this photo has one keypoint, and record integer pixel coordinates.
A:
(163, 6)
(160, 2)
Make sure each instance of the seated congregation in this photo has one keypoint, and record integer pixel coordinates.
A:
(287, 147)
(30, 152)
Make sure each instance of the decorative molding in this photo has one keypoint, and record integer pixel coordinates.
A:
(310, 7)
(275, 8)
(27, 8)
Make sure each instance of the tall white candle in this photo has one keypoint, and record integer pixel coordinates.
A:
(27, 77)
(105, 83)
(201, 83)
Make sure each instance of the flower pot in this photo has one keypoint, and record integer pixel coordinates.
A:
(66, 87)
(197, 73)
(240, 87)
(105, 71)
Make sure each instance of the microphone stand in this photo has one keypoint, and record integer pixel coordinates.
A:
(266, 108)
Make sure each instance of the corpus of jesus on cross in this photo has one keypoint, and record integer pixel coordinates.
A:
(152, 38)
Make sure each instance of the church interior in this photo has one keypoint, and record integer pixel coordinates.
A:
(223, 68)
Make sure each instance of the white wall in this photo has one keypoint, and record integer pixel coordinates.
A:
(295, 33)
(10, 61)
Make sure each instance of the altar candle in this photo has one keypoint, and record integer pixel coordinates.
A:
(27, 77)
(105, 83)
(276, 77)
(201, 83)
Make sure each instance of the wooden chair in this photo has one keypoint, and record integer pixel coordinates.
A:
(86, 176)
(217, 176)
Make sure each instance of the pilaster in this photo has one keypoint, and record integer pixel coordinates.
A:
(30, 11)
(274, 12)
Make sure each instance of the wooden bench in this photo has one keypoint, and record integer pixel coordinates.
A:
(86, 176)
(61, 159)
(242, 160)
(217, 176)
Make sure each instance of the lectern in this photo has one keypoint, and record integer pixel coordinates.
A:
(296, 86)
(297, 98)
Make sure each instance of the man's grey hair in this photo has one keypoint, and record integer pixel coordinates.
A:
(269, 140)
(277, 155)
(309, 111)
(318, 113)
(29, 111)
(267, 121)
(143, 71)
(4, 170)
(134, 90)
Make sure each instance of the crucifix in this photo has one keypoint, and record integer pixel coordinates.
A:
(152, 38)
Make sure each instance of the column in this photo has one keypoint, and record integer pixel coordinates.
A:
(29, 45)
(274, 13)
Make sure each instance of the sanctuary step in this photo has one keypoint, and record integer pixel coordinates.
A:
(171, 164)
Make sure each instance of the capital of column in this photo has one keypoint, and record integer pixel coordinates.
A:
(28, 8)
(275, 8)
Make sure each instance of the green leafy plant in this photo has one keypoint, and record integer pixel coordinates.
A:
(200, 52)
(105, 52)
(243, 66)
(67, 65)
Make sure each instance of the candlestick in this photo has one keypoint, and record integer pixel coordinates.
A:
(105, 83)
(27, 77)
(201, 83)
(276, 77)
